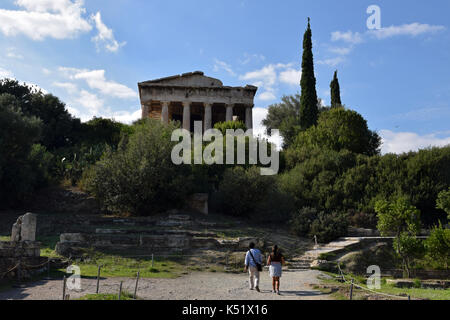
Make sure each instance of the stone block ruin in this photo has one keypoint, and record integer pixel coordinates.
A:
(174, 234)
(20, 256)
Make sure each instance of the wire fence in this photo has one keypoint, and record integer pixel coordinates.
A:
(353, 284)
(229, 261)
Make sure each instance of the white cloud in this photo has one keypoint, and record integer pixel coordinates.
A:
(266, 96)
(126, 116)
(349, 36)
(11, 53)
(91, 102)
(259, 114)
(221, 65)
(291, 76)
(269, 76)
(95, 79)
(332, 62)
(251, 58)
(264, 77)
(343, 51)
(68, 86)
(43, 19)
(105, 35)
(413, 29)
(399, 142)
(46, 71)
(5, 73)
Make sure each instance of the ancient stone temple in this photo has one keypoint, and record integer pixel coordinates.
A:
(195, 97)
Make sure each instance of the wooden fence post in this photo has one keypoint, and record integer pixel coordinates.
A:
(120, 289)
(64, 288)
(136, 287)
(98, 279)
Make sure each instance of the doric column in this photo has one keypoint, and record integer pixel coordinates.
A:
(165, 112)
(208, 116)
(249, 117)
(187, 115)
(145, 110)
(229, 114)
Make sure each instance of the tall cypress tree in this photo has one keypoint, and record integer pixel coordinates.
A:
(308, 102)
(335, 92)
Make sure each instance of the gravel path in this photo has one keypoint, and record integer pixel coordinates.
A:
(194, 286)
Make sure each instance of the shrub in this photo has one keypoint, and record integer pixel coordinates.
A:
(140, 177)
(443, 201)
(302, 220)
(326, 226)
(233, 125)
(329, 226)
(362, 219)
(246, 193)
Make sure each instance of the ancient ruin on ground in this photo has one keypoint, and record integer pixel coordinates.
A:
(195, 97)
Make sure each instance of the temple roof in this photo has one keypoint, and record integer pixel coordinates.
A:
(190, 79)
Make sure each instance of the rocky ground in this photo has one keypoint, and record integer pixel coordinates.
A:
(295, 285)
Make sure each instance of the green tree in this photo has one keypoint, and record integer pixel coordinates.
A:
(397, 216)
(409, 248)
(443, 201)
(438, 246)
(140, 177)
(100, 130)
(59, 128)
(335, 92)
(284, 116)
(18, 133)
(308, 101)
(403, 220)
(338, 129)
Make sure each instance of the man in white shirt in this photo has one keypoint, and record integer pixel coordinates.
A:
(252, 259)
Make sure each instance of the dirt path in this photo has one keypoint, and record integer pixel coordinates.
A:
(195, 286)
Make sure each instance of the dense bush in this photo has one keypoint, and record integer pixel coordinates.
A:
(246, 193)
(19, 165)
(443, 201)
(326, 226)
(140, 178)
(312, 181)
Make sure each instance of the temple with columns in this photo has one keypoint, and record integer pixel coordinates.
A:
(193, 97)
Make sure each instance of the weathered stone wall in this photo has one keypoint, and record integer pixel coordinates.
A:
(75, 244)
(25, 253)
(21, 255)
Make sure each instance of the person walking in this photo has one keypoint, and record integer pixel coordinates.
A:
(275, 263)
(253, 264)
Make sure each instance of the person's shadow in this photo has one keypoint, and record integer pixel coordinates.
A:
(295, 293)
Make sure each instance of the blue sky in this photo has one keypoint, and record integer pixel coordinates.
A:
(91, 54)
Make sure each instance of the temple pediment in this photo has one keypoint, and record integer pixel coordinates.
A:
(191, 79)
